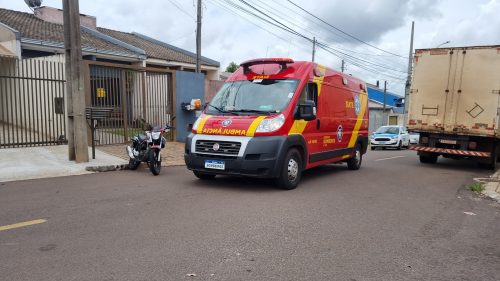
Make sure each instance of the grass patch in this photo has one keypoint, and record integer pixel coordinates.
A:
(476, 187)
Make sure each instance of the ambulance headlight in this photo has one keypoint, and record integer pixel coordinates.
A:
(271, 124)
(196, 123)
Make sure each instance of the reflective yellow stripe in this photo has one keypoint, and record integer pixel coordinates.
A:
(202, 124)
(299, 126)
(254, 125)
(363, 99)
(319, 80)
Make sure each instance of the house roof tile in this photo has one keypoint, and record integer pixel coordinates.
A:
(31, 27)
(157, 49)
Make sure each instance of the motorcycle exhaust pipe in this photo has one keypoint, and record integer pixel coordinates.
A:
(130, 153)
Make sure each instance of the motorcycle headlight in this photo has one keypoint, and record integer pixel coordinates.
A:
(155, 135)
(271, 124)
(196, 123)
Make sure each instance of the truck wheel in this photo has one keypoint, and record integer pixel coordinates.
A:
(428, 159)
(203, 176)
(354, 163)
(291, 171)
(493, 160)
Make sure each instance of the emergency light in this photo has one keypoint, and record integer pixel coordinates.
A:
(281, 61)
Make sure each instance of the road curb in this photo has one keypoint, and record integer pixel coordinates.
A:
(107, 168)
(492, 187)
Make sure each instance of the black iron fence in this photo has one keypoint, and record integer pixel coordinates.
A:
(32, 102)
(136, 95)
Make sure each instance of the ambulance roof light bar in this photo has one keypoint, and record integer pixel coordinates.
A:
(281, 61)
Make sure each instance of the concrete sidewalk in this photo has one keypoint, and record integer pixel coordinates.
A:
(52, 161)
(492, 186)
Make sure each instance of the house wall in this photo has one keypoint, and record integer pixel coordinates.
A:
(189, 85)
(377, 118)
(56, 16)
(212, 75)
(9, 40)
(211, 88)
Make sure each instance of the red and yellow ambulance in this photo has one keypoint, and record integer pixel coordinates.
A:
(275, 117)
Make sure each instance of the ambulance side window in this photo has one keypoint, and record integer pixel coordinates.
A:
(310, 92)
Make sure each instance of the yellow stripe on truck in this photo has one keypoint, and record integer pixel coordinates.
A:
(253, 127)
(299, 126)
(202, 124)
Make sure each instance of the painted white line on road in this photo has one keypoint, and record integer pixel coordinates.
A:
(383, 159)
(21, 224)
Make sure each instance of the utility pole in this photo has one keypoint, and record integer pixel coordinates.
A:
(343, 66)
(385, 95)
(408, 78)
(314, 48)
(198, 38)
(75, 96)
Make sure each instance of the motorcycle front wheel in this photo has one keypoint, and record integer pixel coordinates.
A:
(133, 164)
(155, 162)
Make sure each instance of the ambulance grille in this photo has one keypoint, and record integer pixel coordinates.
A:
(224, 147)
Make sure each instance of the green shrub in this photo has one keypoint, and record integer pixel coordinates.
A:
(476, 187)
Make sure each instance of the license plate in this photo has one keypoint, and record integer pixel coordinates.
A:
(382, 142)
(214, 164)
(448, 141)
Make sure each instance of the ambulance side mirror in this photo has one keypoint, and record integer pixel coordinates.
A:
(306, 110)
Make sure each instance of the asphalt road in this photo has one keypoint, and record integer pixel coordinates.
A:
(395, 219)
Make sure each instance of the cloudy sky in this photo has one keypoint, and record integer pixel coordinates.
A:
(373, 37)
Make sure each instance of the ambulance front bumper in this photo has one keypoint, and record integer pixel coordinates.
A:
(256, 157)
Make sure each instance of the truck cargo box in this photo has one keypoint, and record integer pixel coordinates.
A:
(456, 91)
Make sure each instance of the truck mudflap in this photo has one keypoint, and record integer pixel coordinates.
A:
(451, 151)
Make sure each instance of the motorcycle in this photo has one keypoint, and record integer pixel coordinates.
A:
(147, 148)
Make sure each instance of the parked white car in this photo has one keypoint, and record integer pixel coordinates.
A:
(390, 136)
(414, 138)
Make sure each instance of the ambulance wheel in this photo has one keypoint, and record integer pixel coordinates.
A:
(291, 171)
(203, 176)
(354, 163)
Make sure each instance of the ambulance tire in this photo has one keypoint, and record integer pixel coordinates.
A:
(354, 163)
(291, 172)
(203, 176)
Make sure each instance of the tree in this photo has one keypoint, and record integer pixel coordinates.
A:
(231, 67)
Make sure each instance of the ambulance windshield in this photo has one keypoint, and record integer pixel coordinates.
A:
(260, 96)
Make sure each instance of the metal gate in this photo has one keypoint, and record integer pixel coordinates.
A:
(31, 102)
(135, 96)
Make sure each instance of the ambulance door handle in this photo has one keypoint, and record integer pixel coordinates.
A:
(318, 124)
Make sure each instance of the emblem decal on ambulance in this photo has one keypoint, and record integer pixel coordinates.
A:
(216, 147)
(340, 133)
(226, 122)
(357, 105)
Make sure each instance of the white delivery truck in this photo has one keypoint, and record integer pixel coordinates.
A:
(454, 103)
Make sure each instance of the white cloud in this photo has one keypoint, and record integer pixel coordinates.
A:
(384, 23)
